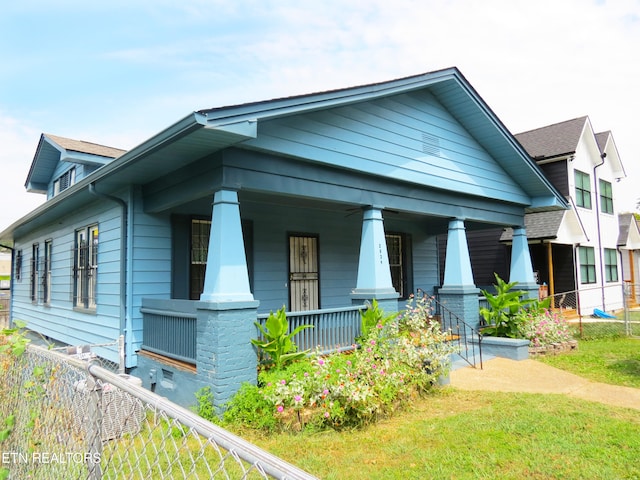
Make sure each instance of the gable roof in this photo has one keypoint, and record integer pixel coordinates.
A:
(554, 140)
(629, 231)
(53, 149)
(205, 132)
(602, 139)
(82, 146)
(563, 226)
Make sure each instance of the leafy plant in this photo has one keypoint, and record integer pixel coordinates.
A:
(205, 407)
(278, 343)
(371, 317)
(350, 390)
(502, 316)
(249, 408)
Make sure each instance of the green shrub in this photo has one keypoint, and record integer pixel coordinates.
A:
(396, 361)
(249, 408)
(278, 343)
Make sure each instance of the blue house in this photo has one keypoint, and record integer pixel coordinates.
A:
(317, 202)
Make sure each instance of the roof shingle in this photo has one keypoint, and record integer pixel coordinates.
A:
(553, 140)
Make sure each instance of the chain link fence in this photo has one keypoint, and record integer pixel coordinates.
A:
(601, 311)
(68, 418)
(5, 299)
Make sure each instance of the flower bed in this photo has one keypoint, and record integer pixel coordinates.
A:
(399, 358)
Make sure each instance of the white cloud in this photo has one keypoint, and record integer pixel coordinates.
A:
(19, 143)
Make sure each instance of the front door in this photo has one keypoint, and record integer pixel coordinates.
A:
(303, 273)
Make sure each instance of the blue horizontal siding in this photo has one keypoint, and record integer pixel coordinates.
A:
(59, 320)
(385, 137)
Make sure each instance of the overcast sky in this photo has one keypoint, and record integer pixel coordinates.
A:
(118, 72)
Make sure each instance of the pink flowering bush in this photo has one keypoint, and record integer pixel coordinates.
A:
(350, 390)
(543, 327)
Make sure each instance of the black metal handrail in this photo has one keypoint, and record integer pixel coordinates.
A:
(467, 338)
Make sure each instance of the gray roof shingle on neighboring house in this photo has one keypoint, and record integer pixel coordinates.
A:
(602, 138)
(624, 222)
(85, 147)
(553, 140)
(539, 226)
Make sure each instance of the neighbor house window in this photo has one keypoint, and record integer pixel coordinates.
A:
(35, 254)
(64, 181)
(85, 268)
(606, 197)
(587, 265)
(611, 264)
(398, 251)
(583, 189)
(46, 274)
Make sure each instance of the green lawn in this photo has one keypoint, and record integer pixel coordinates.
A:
(471, 435)
(609, 360)
(488, 435)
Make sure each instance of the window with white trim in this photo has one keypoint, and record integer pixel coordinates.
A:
(64, 181)
(611, 265)
(33, 282)
(606, 197)
(583, 189)
(85, 268)
(587, 265)
(46, 274)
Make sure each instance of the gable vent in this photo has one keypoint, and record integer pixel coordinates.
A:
(430, 144)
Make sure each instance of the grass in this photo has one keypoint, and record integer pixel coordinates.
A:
(614, 360)
(478, 435)
(475, 435)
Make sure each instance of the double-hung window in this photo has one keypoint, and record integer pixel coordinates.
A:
(583, 189)
(398, 250)
(35, 267)
(46, 274)
(85, 268)
(18, 267)
(611, 265)
(200, 231)
(606, 197)
(587, 265)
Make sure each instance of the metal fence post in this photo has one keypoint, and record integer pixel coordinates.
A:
(94, 428)
(121, 366)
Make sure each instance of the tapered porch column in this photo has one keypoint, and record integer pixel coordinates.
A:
(374, 274)
(226, 277)
(521, 267)
(227, 310)
(459, 293)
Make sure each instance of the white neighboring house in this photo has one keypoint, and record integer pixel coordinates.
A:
(629, 244)
(578, 249)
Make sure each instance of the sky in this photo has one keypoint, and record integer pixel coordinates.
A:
(116, 73)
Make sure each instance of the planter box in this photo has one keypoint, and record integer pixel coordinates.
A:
(512, 348)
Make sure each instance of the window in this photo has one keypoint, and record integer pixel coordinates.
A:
(46, 274)
(587, 265)
(85, 268)
(398, 250)
(606, 197)
(35, 254)
(200, 230)
(611, 264)
(199, 251)
(64, 181)
(583, 189)
(18, 272)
